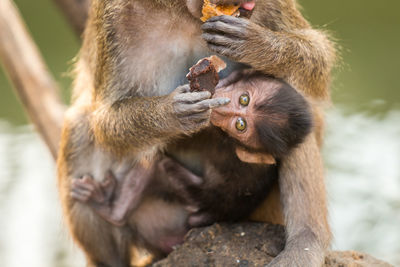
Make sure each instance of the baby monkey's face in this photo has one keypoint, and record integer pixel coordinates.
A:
(239, 117)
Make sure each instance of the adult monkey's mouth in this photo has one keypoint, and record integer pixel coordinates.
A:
(246, 9)
(249, 6)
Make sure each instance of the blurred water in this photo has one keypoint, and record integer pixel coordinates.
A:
(363, 176)
(30, 218)
(362, 156)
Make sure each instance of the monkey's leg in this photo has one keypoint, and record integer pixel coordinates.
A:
(129, 194)
(303, 195)
(103, 244)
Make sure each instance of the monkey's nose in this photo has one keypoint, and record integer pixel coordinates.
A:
(218, 119)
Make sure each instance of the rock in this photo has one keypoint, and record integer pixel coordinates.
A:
(352, 259)
(247, 245)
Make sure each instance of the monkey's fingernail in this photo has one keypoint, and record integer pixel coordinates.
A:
(225, 101)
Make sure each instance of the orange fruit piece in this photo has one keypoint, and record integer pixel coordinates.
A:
(211, 10)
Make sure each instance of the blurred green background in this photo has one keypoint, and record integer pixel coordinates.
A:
(361, 153)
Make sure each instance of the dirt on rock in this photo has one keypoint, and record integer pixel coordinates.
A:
(247, 245)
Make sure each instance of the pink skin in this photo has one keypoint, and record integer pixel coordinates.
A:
(225, 117)
(249, 5)
(232, 87)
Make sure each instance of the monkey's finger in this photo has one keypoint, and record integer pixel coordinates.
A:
(228, 20)
(80, 194)
(92, 184)
(192, 97)
(183, 89)
(214, 103)
(223, 28)
(193, 113)
(88, 180)
(79, 197)
(218, 39)
(87, 177)
(82, 191)
(200, 118)
(184, 110)
(79, 184)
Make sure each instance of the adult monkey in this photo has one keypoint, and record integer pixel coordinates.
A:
(136, 52)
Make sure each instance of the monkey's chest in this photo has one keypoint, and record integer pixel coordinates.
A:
(162, 65)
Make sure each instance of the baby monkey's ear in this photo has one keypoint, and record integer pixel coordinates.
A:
(255, 157)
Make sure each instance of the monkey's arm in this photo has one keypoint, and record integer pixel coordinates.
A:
(302, 187)
(143, 122)
(296, 53)
(123, 119)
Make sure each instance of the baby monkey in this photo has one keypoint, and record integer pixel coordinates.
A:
(266, 118)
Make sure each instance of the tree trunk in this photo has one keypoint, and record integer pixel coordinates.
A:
(28, 73)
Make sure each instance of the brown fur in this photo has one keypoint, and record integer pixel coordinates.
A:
(135, 53)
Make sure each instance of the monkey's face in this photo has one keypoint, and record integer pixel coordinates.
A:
(195, 6)
(239, 117)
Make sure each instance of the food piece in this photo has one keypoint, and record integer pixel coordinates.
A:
(204, 75)
(211, 10)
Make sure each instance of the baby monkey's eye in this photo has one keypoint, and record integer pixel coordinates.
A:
(241, 124)
(244, 100)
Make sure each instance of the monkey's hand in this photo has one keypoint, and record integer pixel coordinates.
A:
(193, 110)
(230, 36)
(89, 190)
(100, 197)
